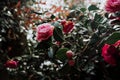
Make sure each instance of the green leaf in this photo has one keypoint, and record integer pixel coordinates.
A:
(65, 69)
(52, 17)
(107, 15)
(92, 7)
(83, 9)
(57, 24)
(94, 39)
(98, 18)
(58, 34)
(61, 54)
(113, 38)
(44, 44)
(94, 25)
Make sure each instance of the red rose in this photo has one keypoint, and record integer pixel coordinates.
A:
(69, 54)
(63, 22)
(11, 64)
(67, 26)
(109, 52)
(71, 62)
(44, 31)
(112, 5)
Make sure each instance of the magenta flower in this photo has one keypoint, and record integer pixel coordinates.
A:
(44, 31)
(112, 6)
(108, 52)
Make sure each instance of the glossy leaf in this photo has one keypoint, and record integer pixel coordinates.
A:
(113, 38)
(98, 18)
(57, 24)
(83, 9)
(92, 7)
(65, 69)
(57, 33)
(61, 54)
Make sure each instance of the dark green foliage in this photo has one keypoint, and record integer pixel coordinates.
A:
(57, 33)
(114, 37)
(93, 7)
(61, 54)
(47, 60)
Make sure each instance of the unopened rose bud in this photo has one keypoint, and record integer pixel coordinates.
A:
(11, 64)
(69, 54)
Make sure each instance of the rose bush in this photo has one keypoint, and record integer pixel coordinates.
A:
(111, 52)
(66, 43)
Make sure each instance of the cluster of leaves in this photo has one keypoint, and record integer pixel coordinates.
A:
(47, 60)
(92, 30)
(15, 17)
(12, 37)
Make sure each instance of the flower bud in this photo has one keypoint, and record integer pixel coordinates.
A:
(11, 64)
(69, 54)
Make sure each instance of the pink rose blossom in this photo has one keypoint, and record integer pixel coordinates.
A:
(112, 6)
(44, 31)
